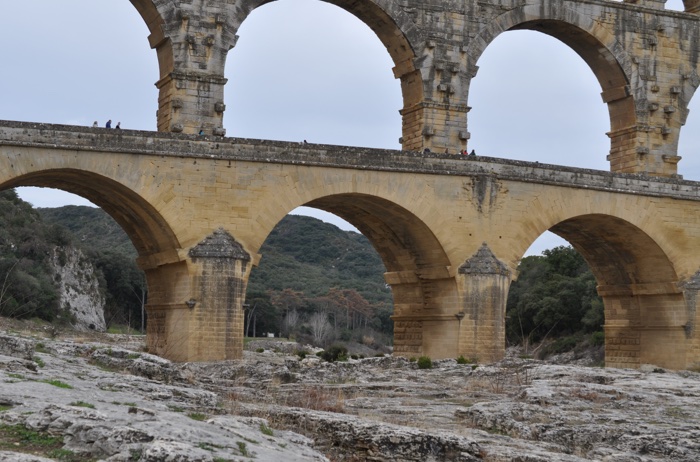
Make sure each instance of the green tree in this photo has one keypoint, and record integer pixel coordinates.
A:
(554, 295)
(260, 314)
(27, 288)
(125, 288)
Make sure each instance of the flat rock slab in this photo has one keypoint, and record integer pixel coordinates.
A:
(119, 404)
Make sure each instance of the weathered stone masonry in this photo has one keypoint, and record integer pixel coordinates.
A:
(644, 57)
(450, 231)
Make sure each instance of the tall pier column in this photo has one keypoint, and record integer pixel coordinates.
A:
(205, 323)
(691, 292)
(217, 328)
(651, 323)
(485, 281)
(425, 303)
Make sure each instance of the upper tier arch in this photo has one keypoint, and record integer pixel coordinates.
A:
(601, 51)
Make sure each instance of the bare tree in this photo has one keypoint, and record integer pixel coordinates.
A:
(248, 313)
(288, 300)
(291, 320)
(320, 327)
(142, 299)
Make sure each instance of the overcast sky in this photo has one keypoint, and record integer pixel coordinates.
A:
(323, 77)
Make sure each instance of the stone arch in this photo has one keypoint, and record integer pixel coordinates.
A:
(155, 242)
(147, 229)
(618, 252)
(399, 34)
(177, 30)
(403, 241)
(393, 27)
(155, 22)
(604, 55)
(645, 312)
(418, 270)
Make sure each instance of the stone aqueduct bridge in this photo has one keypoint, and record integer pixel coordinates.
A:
(449, 229)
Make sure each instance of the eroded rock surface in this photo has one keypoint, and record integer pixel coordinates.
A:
(78, 288)
(126, 405)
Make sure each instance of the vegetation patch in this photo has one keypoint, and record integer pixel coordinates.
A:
(561, 345)
(40, 348)
(18, 438)
(243, 449)
(82, 404)
(335, 353)
(554, 296)
(424, 362)
(266, 430)
(208, 446)
(319, 399)
(57, 383)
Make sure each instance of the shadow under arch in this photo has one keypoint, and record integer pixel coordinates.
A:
(402, 240)
(147, 229)
(418, 271)
(645, 309)
(606, 58)
(618, 252)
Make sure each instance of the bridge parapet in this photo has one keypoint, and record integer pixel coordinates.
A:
(65, 137)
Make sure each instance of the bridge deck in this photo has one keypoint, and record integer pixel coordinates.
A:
(68, 137)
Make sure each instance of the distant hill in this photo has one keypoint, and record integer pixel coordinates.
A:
(310, 256)
(302, 253)
(91, 226)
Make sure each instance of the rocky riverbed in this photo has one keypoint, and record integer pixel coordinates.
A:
(103, 398)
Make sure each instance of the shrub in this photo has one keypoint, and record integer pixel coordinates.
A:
(424, 362)
(598, 338)
(302, 354)
(462, 360)
(260, 350)
(560, 345)
(345, 335)
(335, 353)
(266, 430)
